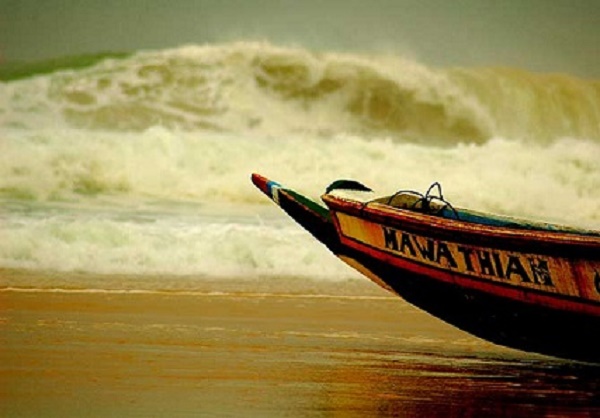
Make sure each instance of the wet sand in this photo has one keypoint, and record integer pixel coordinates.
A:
(82, 353)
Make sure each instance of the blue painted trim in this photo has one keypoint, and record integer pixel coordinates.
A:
(271, 185)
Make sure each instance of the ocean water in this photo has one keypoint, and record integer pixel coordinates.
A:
(139, 165)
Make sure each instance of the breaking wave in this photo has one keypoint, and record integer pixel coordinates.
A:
(269, 90)
(106, 167)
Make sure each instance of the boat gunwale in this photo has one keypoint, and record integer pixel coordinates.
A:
(559, 243)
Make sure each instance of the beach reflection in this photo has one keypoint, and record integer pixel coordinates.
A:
(431, 385)
(143, 354)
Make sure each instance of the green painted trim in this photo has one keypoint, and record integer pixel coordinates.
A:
(312, 205)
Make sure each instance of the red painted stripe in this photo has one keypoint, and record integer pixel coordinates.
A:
(261, 183)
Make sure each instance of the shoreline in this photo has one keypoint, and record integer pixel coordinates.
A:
(12, 279)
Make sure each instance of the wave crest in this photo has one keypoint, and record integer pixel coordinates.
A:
(260, 88)
(538, 107)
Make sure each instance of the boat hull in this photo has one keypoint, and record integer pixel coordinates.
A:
(543, 312)
(494, 318)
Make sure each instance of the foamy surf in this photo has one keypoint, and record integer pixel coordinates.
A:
(111, 169)
(185, 242)
(273, 90)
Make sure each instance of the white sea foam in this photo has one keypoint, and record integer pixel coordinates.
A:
(558, 183)
(161, 243)
(107, 169)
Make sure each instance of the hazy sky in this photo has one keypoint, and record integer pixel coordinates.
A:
(540, 35)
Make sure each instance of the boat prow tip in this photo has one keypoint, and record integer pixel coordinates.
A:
(268, 187)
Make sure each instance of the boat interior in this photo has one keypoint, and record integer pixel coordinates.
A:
(436, 205)
(433, 203)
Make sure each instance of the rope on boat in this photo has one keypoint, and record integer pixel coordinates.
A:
(433, 194)
(426, 200)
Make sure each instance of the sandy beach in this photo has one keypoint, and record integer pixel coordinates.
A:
(80, 352)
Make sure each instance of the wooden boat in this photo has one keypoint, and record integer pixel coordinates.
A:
(529, 286)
